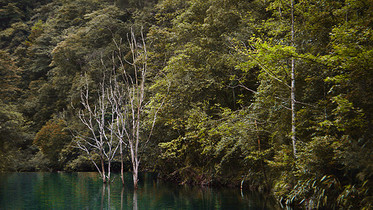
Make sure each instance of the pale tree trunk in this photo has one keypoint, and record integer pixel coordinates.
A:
(103, 170)
(121, 164)
(135, 177)
(292, 95)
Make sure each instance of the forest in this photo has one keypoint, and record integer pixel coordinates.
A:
(274, 94)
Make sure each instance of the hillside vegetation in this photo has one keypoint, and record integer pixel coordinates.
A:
(276, 93)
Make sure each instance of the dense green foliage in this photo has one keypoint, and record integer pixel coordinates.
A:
(223, 67)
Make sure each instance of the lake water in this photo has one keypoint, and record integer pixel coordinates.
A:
(86, 191)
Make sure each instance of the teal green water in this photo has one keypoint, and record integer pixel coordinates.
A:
(86, 191)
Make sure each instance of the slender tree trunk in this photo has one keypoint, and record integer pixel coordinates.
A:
(103, 170)
(293, 111)
(121, 164)
(135, 167)
(292, 95)
(109, 171)
(135, 178)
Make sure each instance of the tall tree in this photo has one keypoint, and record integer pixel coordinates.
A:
(293, 89)
(131, 102)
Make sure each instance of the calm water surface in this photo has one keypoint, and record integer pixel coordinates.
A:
(86, 191)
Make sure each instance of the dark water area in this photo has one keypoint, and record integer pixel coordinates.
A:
(86, 191)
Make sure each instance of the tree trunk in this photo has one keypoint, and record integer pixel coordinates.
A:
(135, 207)
(103, 170)
(121, 164)
(135, 178)
(293, 111)
(109, 171)
(292, 95)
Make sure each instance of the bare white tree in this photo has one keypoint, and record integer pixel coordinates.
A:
(117, 98)
(129, 99)
(100, 140)
(121, 96)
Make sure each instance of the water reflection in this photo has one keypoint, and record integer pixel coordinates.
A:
(86, 191)
(134, 200)
(121, 198)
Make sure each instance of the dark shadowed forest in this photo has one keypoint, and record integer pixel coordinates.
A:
(274, 94)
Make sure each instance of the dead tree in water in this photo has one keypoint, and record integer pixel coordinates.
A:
(121, 96)
(129, 99)
(100, 140)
